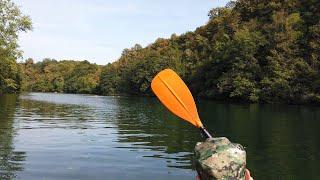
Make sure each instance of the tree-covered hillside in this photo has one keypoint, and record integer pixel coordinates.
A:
(253, 51)
(248, 51)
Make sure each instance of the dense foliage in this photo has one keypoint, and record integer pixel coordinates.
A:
(254, 51)
(12, 21)
(63, 76)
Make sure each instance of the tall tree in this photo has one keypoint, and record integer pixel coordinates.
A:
(12, 21)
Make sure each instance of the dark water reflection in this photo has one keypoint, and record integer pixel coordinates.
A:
(283, 142)
(11, 160)
(58, 136)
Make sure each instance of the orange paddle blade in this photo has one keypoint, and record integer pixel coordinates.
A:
(176, 96)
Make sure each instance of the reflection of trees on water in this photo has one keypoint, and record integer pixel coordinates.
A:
(55, 115)
(53, 110)
(11, 161)
(144, 124)
(282, 141)
(47, 114)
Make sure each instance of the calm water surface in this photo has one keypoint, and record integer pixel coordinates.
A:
(60, 136)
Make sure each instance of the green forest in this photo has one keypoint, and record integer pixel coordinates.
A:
(248, 51)
(66, 76)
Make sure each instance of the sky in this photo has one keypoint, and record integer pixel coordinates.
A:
(98, 30)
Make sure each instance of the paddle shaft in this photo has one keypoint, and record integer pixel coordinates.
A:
(205, 133)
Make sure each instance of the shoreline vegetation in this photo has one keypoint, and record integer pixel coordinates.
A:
(248, 51)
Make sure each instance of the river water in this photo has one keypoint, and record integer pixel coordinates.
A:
(65, 136)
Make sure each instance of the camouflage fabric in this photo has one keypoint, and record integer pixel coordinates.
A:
(219, 159)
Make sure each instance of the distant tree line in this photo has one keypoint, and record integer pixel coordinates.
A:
(66, 76)
(248, 51)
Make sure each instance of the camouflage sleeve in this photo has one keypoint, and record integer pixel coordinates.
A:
(219, 159)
